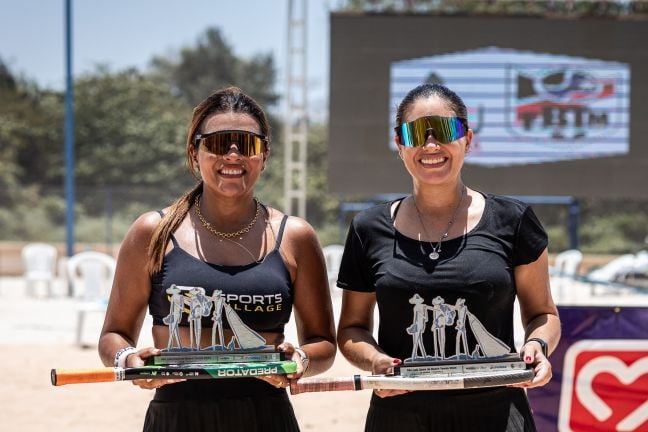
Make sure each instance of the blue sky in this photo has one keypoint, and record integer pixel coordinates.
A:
(125, 33)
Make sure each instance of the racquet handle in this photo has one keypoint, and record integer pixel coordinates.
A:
(83, 376)
(306, 385)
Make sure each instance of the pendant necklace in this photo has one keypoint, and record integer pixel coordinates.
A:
(436, 249)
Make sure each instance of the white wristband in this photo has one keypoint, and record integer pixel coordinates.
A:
(304, 358)
(122, 355)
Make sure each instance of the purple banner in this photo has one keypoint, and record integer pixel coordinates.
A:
(600, 372)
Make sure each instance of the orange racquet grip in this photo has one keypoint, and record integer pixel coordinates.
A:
(81, 376)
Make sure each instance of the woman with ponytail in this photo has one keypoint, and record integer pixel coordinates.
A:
(260, 262)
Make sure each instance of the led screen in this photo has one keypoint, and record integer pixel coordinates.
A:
(554, 104)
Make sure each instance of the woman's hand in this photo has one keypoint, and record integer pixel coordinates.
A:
(283, 381)
(137, 360)
(382, 364)
(532, 354)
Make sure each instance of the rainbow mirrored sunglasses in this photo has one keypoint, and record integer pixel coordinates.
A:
(443, 129)
(220, 143)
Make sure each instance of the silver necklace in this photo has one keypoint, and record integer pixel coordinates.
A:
(436, 249)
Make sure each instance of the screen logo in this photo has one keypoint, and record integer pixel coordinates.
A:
(526, 107)
(605, 386)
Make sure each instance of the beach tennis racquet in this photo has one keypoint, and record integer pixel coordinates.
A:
(395, 382)
(209, 371)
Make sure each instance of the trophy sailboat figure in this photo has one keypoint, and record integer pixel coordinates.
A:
(245, 354)
(488, 355)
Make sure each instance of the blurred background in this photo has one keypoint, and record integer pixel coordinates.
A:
(138, 69)
(95, 98)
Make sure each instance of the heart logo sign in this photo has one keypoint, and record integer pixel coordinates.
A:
(605, 386)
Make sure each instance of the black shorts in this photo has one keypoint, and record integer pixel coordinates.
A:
(499, 409)
(237, 405)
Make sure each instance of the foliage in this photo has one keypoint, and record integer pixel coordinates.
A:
(558, 238)
(614, 226)
(321, 207)
(551, 8)
(130, 130)
(196, 72)
(26, 136)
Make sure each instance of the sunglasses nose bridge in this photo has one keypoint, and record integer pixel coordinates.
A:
(430, 138)
(233, 148)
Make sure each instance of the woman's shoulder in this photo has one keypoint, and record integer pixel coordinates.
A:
(295, 227)
(144, 226)
(374, 213)
(505, 204)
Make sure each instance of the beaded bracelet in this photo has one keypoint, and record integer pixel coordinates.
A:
(122, 355)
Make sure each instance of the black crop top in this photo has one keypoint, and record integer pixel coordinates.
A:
(261, 293)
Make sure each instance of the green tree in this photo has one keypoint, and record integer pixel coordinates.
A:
(196, 72)
(130, 131)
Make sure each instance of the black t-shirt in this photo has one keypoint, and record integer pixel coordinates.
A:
(477, 268)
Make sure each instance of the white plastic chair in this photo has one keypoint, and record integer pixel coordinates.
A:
(39, 262)
(333, 258)
(615, 271)
(640, 266)
(91, 275)
(565, 269)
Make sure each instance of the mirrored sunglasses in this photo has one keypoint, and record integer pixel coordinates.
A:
(219, 143)
(443, 129)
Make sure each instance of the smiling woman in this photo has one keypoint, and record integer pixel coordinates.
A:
(455, 259)
(252, 263)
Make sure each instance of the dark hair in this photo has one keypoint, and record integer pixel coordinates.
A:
(425, 91)
(230, 99)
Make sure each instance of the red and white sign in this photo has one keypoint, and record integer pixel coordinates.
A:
(605, 386)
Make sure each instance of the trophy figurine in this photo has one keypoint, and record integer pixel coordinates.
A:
(245, 354)
(488, 356)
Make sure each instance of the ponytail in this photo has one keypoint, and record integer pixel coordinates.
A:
(167, 226)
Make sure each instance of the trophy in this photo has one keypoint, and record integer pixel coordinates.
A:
(489, 363)
(489, 357)
(245, 354)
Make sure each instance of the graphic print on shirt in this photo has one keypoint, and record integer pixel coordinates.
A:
(444, 315)
(200, 305)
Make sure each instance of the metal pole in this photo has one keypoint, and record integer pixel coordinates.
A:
(69, 137)
(573, 223)
(109, 219)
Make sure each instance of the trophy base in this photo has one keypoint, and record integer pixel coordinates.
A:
(209, 356)
(460, 367)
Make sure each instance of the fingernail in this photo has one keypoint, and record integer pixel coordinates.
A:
(527, 358)
(397, 361)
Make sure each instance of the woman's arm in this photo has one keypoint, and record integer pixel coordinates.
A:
(129, 299)
(312, 299)
(355, 337)
(539, 315)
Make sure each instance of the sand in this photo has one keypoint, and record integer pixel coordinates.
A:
(37, 334)
(30, 403)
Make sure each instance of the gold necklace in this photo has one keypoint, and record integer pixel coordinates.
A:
(224, 234)
(436, 250)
